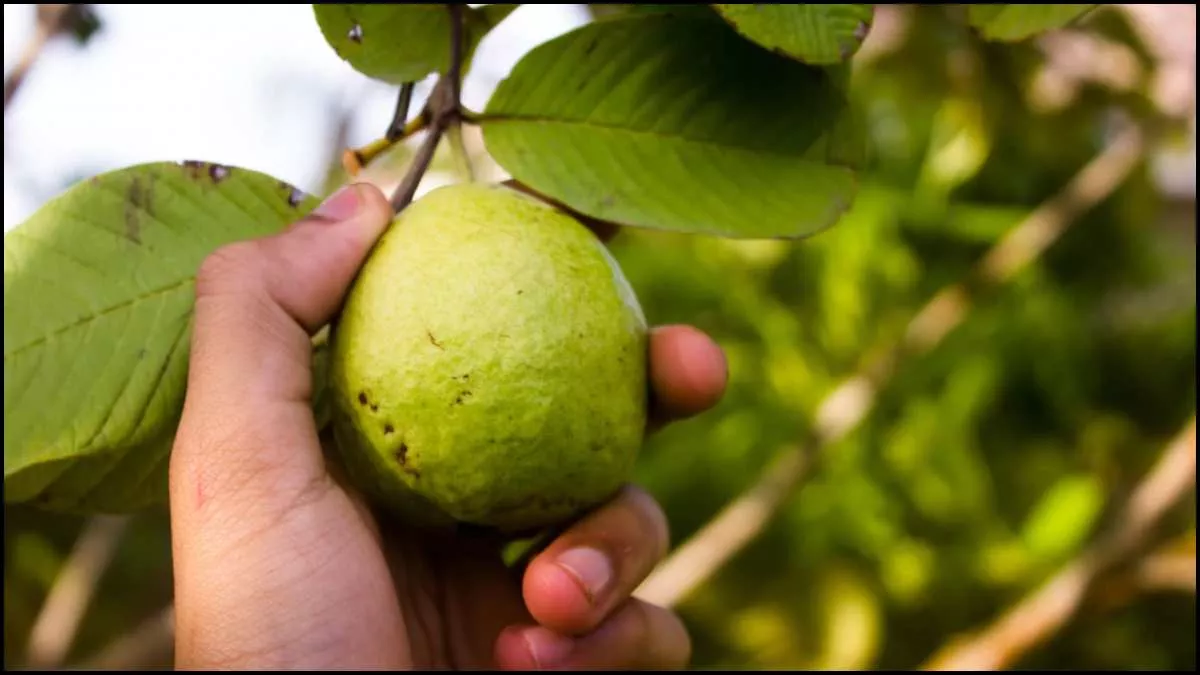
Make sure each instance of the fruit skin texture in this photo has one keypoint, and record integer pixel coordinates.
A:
(489, 365)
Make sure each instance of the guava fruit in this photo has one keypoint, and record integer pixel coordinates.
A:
(489, 365)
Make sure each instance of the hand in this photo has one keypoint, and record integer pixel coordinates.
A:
(279, 565)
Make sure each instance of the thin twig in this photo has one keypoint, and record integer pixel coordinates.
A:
(846, 406)
(443, 107)
(48, 24)
(54, 630)
(1042, 613)
(458, 148)
(400, 116)
(147, 646)
(407, 188)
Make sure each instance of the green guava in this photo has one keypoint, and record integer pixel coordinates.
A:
(489, 365)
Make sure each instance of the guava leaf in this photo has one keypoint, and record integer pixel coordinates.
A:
(98, 299)
(1011, 23)
(815, 34)
(1064, 517)
(400, 43)
(675, 122)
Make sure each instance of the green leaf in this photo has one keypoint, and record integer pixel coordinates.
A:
(675, 122)
(98, 298)
(400, 43)
(1064, 517)
(816, 34)
(1011, 23)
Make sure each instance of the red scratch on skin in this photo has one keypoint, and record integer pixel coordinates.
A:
(199, 491)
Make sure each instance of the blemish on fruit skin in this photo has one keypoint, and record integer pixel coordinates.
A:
(374, 407)
(218, 173)
(355, 34)
(402, 460)
(388, 429)
(433, 341)
(362, 398)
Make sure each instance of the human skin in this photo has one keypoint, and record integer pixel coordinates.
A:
(278, 564)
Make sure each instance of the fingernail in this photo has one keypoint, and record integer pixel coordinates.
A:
(591, 570)
(546, 648)
(342, 205)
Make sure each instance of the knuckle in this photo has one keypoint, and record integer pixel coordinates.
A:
(652, 521)
(664, 640)
(228, 267)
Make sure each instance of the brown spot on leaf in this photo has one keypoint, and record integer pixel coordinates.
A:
(295, 194)
(295, 197)
(193, 168)
(137, 206)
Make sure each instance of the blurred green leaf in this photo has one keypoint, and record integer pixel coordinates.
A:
(711, 135)
(1064, 517)
(1010, 23)
(815, 34)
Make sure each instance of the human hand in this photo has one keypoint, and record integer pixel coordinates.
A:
(278, 564)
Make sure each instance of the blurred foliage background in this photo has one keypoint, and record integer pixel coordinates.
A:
(986, 463)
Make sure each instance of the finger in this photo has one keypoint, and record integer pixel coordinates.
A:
(249, 375)
(637, 635)
(594, 566)
(688, 373)
(252, 515)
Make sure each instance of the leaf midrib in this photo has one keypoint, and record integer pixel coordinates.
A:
(490, 118)
(97, 315)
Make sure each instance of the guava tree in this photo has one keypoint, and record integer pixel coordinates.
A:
(724, 121)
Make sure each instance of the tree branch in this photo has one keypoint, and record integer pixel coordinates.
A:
(694, 562)
(49, 17)
(1042, 613)
(152, 641)
(443, 109)
(395, 130)
(52, 21)
(54, 630)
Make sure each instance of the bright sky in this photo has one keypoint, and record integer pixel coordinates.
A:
(248, 85)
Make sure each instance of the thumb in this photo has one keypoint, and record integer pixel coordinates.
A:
(258, 301)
